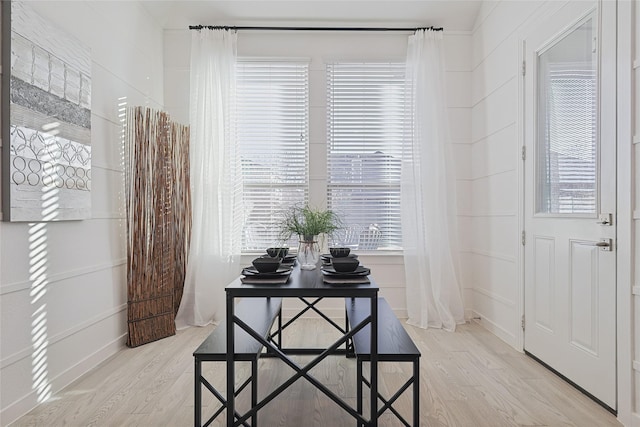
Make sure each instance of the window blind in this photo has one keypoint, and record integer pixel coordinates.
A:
(573, 130)
(570, 163)
(272, 135)
(366, 124)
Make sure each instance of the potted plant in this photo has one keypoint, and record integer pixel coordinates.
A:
(308, 223)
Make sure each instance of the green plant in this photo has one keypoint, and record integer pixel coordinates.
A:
(307, 222)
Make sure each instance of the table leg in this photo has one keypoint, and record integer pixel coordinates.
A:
(280, 329)
(197, 418)
(230, 362)
(374, 361)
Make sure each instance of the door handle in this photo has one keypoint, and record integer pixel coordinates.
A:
(603, 244)
(605, 219)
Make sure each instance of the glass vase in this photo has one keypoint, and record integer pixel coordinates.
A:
(308, 253)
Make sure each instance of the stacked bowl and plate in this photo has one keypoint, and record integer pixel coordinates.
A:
(273, 268)
(343, 268)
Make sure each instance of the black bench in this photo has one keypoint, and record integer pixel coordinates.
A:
(259, 314)
(394, 345)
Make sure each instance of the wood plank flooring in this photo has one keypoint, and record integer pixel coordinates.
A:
(468, 378)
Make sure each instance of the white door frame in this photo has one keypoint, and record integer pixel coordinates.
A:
(626, 367)
(625, 239)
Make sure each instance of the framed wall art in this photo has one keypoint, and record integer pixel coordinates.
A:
(46, 119)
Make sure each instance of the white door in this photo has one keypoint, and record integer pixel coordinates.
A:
(570, 258)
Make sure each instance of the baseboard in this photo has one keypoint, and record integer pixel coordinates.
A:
(495, 329)
(22, 406)
(470, 315)
(635, 419)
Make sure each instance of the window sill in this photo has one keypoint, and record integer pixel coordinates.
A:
(381, 253)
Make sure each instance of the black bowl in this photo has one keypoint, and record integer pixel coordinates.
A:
(339, 252)
(278, 252)
(345, 264)
(267, 265)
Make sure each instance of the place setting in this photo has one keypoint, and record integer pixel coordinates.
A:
(283, 253)
(336, 253)
(340, 267)
(271, 269)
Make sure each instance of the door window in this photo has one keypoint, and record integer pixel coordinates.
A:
(567, 136)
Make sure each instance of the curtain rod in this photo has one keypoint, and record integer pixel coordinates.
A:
(224, 27)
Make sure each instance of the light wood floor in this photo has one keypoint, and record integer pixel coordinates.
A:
(468, 378)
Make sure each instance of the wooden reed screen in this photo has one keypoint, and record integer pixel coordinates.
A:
(182, 203)
(158, 222)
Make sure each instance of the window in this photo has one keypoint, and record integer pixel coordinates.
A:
(366, 124)
(567, 148)
(272, 135)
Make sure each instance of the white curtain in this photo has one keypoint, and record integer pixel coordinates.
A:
(428, 193)
(214, 253)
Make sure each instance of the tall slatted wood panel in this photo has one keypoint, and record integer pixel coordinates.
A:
(158, 222)
(182, 202)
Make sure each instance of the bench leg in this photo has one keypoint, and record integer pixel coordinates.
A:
(197, 393)
(349, 344)
(254, 390)
(358, 388)
(416, 392)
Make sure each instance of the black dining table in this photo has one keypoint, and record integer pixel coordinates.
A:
(303, 285)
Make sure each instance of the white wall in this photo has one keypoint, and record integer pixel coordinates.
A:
(495, 166)
(321, 48)
(84, 319)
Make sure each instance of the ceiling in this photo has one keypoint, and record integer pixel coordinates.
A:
(453, 15)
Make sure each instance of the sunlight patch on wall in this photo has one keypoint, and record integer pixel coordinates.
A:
(38, 264)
